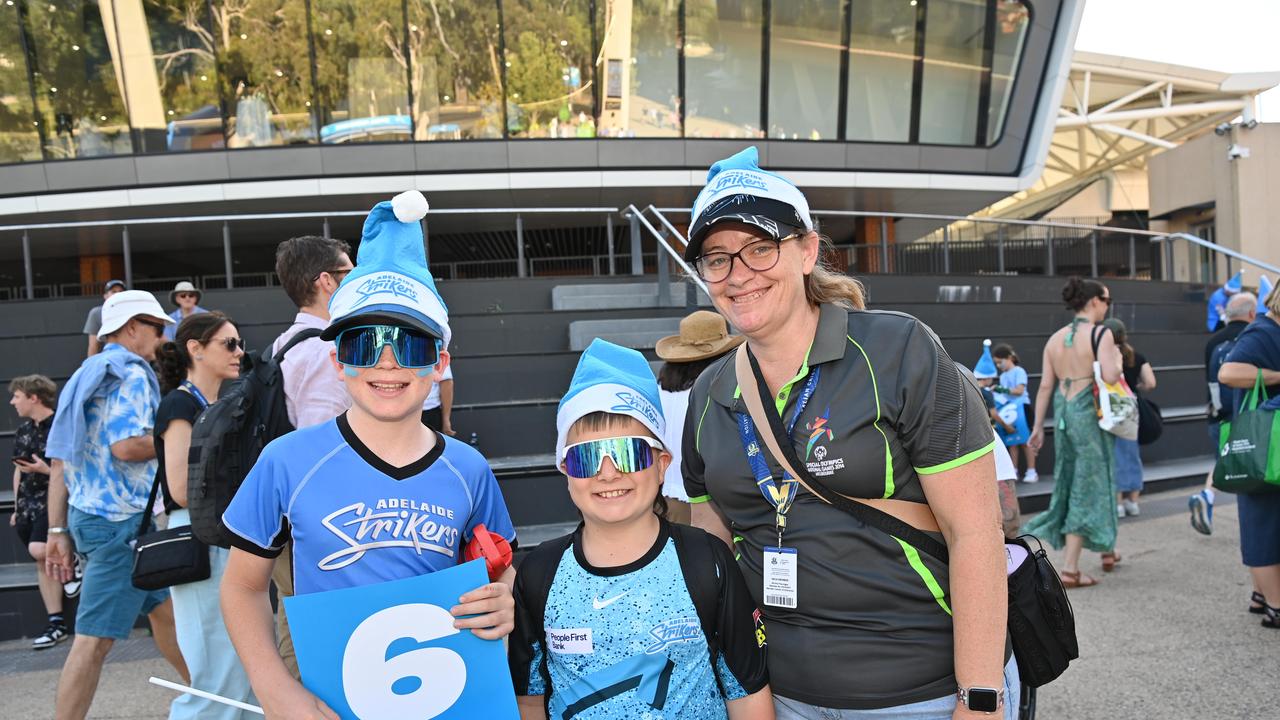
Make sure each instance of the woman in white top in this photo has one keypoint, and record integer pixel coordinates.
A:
(704, 337)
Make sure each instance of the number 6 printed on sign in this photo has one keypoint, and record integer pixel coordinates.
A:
(387, 671)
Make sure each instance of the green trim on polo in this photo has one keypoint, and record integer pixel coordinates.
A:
(699, 500)
(780, 402)
(913, 557)
(697, 435)
(889, 486)
(737, 556)
(962, 460)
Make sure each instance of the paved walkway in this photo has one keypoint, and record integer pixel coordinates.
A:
(1165, 636)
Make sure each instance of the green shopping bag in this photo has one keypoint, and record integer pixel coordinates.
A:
(1249, 447)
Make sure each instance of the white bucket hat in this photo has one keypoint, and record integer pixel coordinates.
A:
(124, 306)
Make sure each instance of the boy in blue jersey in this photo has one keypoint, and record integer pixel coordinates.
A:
(373, 495)
(630, 616)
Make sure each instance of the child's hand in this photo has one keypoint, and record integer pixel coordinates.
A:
(493, 610)
(296, 703)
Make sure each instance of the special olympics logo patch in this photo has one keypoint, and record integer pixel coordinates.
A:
(385, 284)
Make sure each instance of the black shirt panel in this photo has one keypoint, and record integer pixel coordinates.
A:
(178, 404)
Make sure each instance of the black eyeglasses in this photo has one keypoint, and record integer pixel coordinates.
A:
(158, 327)
(337, 274)
(231, 343)
(760, 255)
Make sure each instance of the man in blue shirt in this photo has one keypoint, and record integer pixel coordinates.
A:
(1217, 316)
(103, 466)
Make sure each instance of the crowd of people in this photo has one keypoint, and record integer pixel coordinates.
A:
(765, 599)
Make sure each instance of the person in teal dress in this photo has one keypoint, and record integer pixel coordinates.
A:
(1081, 513)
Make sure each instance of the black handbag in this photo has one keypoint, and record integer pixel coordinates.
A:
(1041, 624)
(1150, 421)
(167, 557)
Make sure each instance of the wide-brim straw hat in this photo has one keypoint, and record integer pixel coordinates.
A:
(703, 335)
(184, 286)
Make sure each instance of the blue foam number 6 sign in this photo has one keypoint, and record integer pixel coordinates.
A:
(390, 652)
(383, 678)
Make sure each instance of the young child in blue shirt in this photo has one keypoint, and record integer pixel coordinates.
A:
(373, 495)
(630, 616)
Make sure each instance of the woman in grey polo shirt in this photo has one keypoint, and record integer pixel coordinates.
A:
(876, 409)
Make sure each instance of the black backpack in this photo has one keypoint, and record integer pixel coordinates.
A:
(230, 435)
(1222, 399)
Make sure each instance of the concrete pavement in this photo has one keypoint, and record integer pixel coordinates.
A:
(1165, 636)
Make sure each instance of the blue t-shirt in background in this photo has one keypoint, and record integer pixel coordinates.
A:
(354, 519)
(1259, 345)
(1012, 378)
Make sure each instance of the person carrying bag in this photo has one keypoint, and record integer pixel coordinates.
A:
(1041, 623)
(1249, 446)
(164, 558)
(1117, 404)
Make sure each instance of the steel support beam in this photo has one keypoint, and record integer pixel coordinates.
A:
(128, 257)
(226, 254)
(27, 268)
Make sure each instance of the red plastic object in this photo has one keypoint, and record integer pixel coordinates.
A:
(494, 548)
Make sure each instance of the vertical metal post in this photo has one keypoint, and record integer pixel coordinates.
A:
(1048, 251)
(1000, 247)
(128, 257)
(26, 266)
(637, 259)
(884, 244)
(608, 233)
(946, 249)
(664, 274)
(1093, 254)
(325, 231)
(520, 269)
(1133, 257)
(226, 254)
(1168, 258)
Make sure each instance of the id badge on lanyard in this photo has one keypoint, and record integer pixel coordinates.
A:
(780, 563)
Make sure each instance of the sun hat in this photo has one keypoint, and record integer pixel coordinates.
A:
(703, 334)
(184, 287)
(126, 305)
(613, 379)
(738, 190)
(391, 283)
(986, 367)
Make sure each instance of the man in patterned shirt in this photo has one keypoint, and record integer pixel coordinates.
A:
(103, 464)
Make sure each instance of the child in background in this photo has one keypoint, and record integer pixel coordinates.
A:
(631, 615)
(1013, 389)
(1006, 474)
(324, 486)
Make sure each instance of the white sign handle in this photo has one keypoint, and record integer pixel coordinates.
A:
(206, 695)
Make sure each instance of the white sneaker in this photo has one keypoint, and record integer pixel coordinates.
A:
(1131, 508)
(1119, 511)
(1030, 477)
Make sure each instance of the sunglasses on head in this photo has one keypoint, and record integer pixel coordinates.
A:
(362, 346)
(629, 454)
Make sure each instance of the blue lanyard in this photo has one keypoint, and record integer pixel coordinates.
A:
(195, 392)
(779, 495)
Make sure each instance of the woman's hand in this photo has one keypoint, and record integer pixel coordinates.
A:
(493, 610)
(1036, 441)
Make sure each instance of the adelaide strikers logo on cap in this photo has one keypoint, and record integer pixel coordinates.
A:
(383, 284)
(633, 401)
(739, 179)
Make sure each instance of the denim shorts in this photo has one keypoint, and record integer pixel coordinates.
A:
(109, 603)
(936, 709)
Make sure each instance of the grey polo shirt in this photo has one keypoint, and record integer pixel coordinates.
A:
(873, 626)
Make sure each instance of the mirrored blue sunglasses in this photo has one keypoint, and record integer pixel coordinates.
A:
(629, 454)
(362, 346)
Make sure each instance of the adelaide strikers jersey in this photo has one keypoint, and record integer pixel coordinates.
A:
(354, 519)
(627, 642)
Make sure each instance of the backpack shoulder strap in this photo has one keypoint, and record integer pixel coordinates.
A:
(302, 335)
(697, 558)
(537, 572)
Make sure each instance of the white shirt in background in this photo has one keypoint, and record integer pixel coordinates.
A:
(674, 407)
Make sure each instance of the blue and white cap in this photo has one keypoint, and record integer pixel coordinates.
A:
(612, 379)
(391, 283)
(986, 367)
(1264, 291)
(1236, 283)
(738, 190)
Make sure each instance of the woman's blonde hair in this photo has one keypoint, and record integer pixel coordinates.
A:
(1273, 301)
(825, 284)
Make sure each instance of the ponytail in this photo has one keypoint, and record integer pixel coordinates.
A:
(172, 359)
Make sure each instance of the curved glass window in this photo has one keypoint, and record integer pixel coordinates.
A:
(640, 78)
(722, 50)
(362, 78)
(78, 81)
(882, 61)
(550, 92)
(264, 55)
(19, 134)
(182, 77)
(1009, 33)
(804, 69)
(457, 83)
(953, 71)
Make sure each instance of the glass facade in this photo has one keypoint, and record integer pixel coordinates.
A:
(94, 78)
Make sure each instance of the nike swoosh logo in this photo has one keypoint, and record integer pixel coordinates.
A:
(602, 604)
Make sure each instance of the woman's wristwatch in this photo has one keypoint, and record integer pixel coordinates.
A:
(981, 699)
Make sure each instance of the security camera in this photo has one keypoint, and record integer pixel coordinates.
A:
(1237, 151)
(1222, 129)
(1250, 124)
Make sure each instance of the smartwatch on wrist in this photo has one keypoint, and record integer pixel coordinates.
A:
(981, 699)
(57, 530)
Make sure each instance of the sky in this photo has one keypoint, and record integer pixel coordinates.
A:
(1224, 35)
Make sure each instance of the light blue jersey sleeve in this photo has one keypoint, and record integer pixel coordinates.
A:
(256, 515)
(487, 506)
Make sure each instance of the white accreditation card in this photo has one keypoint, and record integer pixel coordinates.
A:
(780, 589)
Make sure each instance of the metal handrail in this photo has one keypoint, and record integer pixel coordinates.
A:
(632, 210)
(1218, 248)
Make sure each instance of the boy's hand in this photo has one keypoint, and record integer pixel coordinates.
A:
(296, 703)
(493, 608)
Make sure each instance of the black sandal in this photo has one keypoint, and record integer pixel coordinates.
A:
(1257, 603)
(1271, 617)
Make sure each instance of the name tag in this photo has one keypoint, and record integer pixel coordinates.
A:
(575, 641)
(780, 587)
